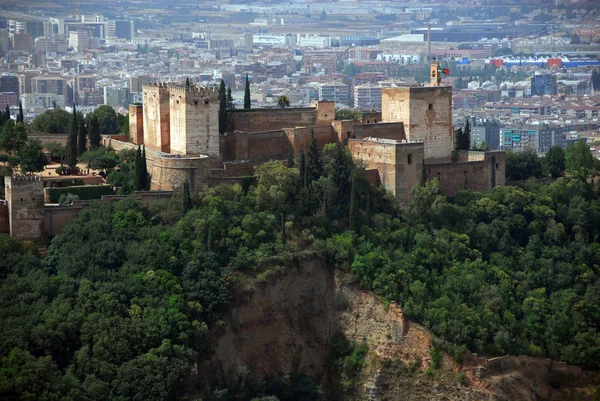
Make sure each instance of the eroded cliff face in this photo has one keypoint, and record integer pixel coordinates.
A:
(286, 324)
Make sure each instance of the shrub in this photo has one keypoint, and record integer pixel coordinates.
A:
(86, 192)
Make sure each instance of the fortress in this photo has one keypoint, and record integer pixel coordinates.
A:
(409, 141)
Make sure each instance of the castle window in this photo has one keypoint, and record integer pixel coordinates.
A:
(33, 199)
(430, 106)
(206, 102)
(375, 121)
(497, 165)
(368, 121)
(409, 159)
(178, 102)
(21, 199)
(195, 103)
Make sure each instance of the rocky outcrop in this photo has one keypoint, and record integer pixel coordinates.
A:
(286, 322)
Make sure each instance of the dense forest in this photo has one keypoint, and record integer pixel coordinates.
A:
(120, 307)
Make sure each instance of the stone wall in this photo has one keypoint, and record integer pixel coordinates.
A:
(118, 144)
(399, 164)
(25, 196)
(255, 145)
(380, 130)
(170, 173)
(56, 217)
(136, 123)
(481, 175)
(259, 120)
(194, 120)
(156, 120)
(344, 130)
(4, 221)
(300, 137)
(427, 116)
(369, 117)
(47, 138)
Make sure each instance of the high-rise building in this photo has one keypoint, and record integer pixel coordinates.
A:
(124, 29)
(543, 84)
(53, 44)
(47, 84)
(538, 139)
(485, 131)
(21, 42)
(336, 92)
(9, 84)
(116, 96)
(367, 96)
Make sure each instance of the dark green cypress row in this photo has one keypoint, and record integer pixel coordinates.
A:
(81, 136)
(290, 159)
(187, 198)
(222, 108)
(247, 100)
(146, 181)
(302, 170)
(71, 158)
(354, 210)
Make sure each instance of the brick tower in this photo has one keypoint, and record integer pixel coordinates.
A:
(25, 196)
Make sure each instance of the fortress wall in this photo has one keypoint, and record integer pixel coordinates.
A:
(325, 112)
(399, 164)
(370, 117)
(25, 196)
(344, 130)
(156, 122)
(118, 145)
(170, 173)
(380, 130)
(427, 116)
(136, 123)
(4, 222)
(256, 145)
(300, 137)
(259, 120)
(194, 121)
(454, 177)
(47, 138)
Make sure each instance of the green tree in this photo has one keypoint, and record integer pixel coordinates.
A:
(146, 176)
(283, 101)
(578, 159)
(31, 155)
(54, 121)
(290, 158)
(222, 108)
(71, 157)
(57, 151)
(314, 163)
(107, 120)
(466, 136)
(20, 116)
(140, 173)
(230, 105)
(302, 170)
(81, 135)
(12, 137)
(188, 204)
(521, 166)
(94, 132)
(247, 100)
(101, 158)
(554, 161)
(354, 219)
(348, 114)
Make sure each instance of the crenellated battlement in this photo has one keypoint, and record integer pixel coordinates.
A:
(210, 92)
(24, 179)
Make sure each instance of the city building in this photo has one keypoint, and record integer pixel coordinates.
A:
(49, 84)
(336, 92)
(543, 84)
(35, 102)
(367, 97)
(536, 138)
(116, 96)
(10, 84)
(485, 131)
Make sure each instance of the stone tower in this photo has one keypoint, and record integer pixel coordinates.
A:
(427, 116)
(435, 77)
(194, 120)
(156, 122)
(25, 196)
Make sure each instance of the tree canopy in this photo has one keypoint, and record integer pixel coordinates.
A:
(54, 121)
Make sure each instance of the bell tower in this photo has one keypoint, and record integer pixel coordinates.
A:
(435, 74)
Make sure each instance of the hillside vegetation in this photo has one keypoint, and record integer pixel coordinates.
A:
(120, 307)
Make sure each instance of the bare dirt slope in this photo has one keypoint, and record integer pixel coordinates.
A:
(286, 323)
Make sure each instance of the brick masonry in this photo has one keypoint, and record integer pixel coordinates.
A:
(136, 123)
(427, 116)
(25, 197)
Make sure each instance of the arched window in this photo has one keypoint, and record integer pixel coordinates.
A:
(409, 159)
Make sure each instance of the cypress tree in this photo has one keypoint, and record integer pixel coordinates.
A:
(314, 164)
(145, 177)
(187, 83)
(7, 113)
(139, 170)
(94, 132)
(81, 136)
(302, 170)
(247, 101)
(283, 235)
(290, 159)
(467, 136)
(458, 138)
(354, 211)
(71, 157)
(187, 198)
(20, 116)
(230, 105)
(222, 108)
